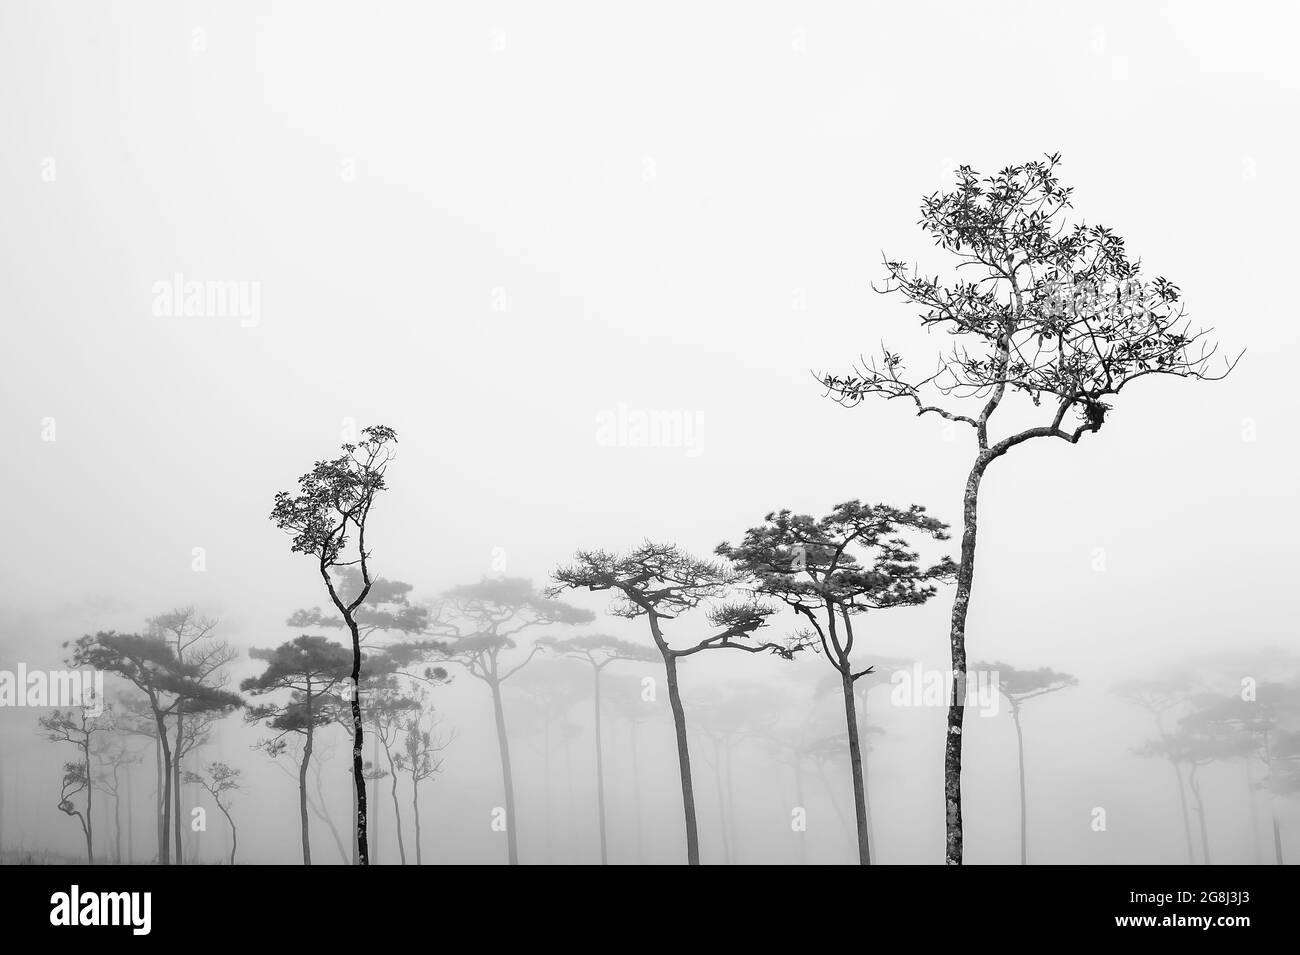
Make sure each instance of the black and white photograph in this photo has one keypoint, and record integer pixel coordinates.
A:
(576, 434)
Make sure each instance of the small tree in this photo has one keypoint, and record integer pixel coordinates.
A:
(421, 757)
(1020, 686)
(150, 664)
(492, 615)
(830, 571)
(1042, 308)
(220, 781)
(599, 651)
(1162, 697)
(311, 670)
(79, 729)
(333, 501)
(660, 582)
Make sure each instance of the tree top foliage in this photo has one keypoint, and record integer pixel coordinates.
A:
(1037, 304)
(853, 559)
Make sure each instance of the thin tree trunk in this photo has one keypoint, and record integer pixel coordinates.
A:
(397, 810)
(636, 797)
(600, 776)
(88, 822)
(1187, 820)
(1272, 809)
(683, 759)
(158, 798)
(866, 772)
(507, 779)
(234, 836)
(801, 835)
(302, 785)
(1254, 810)
(376, 836)
(1020, 756)
(176, 779)
(1200, 812)
(130, 819)
(415, 812)
(957, 649)
(727, 754)
(164, 855)
(117, 827)
(358, 741)
(722, 801)
(855, 765)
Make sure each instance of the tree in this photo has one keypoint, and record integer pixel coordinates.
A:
(660, 582)
(191, 637)
(220, 781)
(78, 729)
(311, 670)
(493, 613)
(830, 571)
(1053, 311)
(599, 651)
(421, 757)
(1020, 686)
(333, 501)
(150, 664)
(1160, 697)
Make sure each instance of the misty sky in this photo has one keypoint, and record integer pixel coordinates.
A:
(486, 225)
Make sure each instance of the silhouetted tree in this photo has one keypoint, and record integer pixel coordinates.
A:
(1051, 310)
(422, 744)
(599, 651)
(311, 669)
(1018, 687)
(150, 664)
(830, 571)
(334, 500)
(1162, 697)
(78, 728)
(490, 616)
(660, 582)
(220, 781)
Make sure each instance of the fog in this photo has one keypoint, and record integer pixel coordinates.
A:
(590, 264)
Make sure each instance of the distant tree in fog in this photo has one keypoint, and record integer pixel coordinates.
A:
(1037, 306)
(79, 729)
(483, 633)
(1018, 687)
(220, 781)
(1162, 698)
(332, 502)
(114, 758)
(832, 570)
(599, 651)
(1255, 720)
(191, 638)
(660, 582)
(149, 663)
(310, 670)
(421, 744)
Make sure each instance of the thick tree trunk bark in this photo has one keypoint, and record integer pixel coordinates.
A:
(957, 649)
(683, 760)
(855, 765)
(507, 778)
(358, 741)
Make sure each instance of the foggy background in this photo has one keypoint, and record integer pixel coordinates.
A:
(486, 225)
